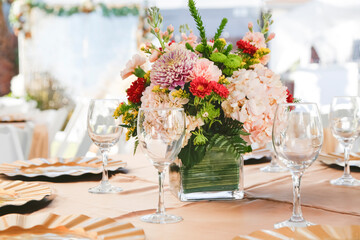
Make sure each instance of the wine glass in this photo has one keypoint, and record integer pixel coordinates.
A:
(104, 130)
(345, 126)
(297, 139)
(161, 133)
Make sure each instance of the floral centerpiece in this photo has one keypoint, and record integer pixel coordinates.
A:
(228, 94)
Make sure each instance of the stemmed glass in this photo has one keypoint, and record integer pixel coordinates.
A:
(273, 167)
(345, 126)
(297, 140)
(104, 130)
(161, 132)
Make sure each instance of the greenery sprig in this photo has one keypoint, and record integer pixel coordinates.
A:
(220, 28)
(199, 25)
(266, 19)
(155, 20)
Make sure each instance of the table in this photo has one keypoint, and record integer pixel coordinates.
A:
(40, 141)
(268, 200)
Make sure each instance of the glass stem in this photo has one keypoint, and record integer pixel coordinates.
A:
(297, 214)
(273, 162)
(104, 153)
(346, 160)
(161, 208)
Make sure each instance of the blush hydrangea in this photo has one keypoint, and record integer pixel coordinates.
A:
(253, 97)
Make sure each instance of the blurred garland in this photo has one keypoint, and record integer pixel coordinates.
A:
(106, 11)
(20, 11)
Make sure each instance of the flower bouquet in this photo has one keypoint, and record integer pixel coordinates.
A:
(228, 95)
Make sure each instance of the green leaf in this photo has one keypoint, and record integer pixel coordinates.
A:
(139, 72)
(200, 48)
(234, 144)
(191, 154)
(189, 47)
(136, 144)
(228, 49)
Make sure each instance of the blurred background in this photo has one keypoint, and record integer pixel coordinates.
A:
(57, 54)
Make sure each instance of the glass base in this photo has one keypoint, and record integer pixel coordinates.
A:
(105, 187)
(219, 195)
(161, 219)
(293, 223)
(273, 168)
(345, 181)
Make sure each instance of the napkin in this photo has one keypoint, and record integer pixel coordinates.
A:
(338, 159)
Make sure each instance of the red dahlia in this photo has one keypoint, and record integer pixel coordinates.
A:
(289, 98)
(246, 47)
(220, 90)
(136, 89)
(200, 87)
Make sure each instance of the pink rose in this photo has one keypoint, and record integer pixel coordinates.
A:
(265, 59)
(250, 26)
(191, 39)
(154, 55)
(255, 38)
(207, 69)
(271, 36)
(170, 28)
(136, 61)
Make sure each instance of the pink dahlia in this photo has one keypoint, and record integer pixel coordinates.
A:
(173, 68)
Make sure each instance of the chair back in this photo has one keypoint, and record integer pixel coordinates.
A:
(25, 136)
(11, 149)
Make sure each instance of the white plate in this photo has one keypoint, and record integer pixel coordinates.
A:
(18, 193)
(52, 226)
(257, 154)
(335, 159)
(306, 233)
(55, 167)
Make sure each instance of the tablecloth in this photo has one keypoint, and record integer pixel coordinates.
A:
(268, 200)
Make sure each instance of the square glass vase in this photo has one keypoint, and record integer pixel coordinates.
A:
(219, 176)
